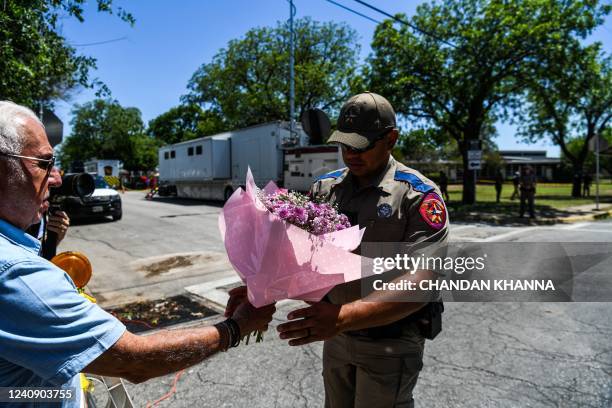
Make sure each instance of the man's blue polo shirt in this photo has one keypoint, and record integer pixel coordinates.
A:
(48, 332)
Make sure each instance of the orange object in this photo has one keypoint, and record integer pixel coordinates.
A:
(76, 265)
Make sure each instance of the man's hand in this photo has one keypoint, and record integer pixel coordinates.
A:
(250, 319)
(319, 321)
(237, 296)
(58, 223)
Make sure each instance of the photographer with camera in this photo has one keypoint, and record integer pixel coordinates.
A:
(57, 223)
(49, 333)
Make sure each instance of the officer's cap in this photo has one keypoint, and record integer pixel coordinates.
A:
(363, 119)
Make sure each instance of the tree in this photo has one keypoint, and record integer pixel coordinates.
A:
(570, 103)
(37, 65)
(469, 60)
(103, 129)
(185, 122)
(421, 145)
(248, 82)
(574, 146)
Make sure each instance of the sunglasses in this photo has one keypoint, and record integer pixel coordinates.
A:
(44, 164)
(349, 149)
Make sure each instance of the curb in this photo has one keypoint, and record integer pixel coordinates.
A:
(602, 214)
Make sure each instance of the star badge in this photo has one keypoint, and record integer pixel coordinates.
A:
(433, 211)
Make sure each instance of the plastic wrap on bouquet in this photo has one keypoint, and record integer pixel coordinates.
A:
(278, 260)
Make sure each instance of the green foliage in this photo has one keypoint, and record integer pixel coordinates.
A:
(421, 145)
(574, 147)
(103, 129)
(185, 122)
(479, 58)
(37, 65)
(570, 100)
(248, 82)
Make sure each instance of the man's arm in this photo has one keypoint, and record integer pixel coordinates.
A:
(323, 320)
(140, 358)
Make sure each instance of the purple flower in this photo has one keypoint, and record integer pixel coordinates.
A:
(298, 209)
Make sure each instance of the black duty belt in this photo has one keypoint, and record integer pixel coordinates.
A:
(432, 313)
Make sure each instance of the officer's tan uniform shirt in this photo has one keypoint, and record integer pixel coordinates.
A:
(389, 209)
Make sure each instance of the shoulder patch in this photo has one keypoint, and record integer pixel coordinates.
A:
(433, 211)
(414, 181)
(333, 174)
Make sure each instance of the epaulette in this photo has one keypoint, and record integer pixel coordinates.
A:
(414, 181)
(333, 174)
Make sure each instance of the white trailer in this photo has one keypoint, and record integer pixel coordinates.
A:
(213, 167)
(304, 164)
(103, 168)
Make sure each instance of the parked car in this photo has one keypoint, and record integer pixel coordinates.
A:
(103, 202)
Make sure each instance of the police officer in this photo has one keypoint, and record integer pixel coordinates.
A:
(373, 351)
(516, 179)
(528, 189)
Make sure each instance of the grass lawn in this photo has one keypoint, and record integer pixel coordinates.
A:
(552, 195)
(553, 200)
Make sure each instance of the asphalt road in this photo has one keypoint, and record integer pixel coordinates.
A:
(488, 355)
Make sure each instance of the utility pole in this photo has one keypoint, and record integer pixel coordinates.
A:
(597, 172)
(291, 71)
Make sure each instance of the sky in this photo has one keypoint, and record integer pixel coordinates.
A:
(150, 66)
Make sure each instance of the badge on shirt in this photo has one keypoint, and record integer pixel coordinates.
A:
(433, 211)
(384, 210)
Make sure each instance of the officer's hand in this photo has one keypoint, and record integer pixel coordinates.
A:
(317, 322)
(59, 223)
(237, 296)
(251, 319)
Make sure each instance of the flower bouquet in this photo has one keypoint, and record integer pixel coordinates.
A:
(284, 245)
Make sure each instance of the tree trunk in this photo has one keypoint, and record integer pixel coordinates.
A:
(578, 170)
(577, 184)
(469, 185)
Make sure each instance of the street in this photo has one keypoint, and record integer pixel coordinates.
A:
(488, 354)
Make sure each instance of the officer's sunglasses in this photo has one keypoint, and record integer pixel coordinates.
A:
(349, 149)
(44, 164)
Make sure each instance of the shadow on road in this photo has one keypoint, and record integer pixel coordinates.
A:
(187, 201)
(91, 220)
(506, 213)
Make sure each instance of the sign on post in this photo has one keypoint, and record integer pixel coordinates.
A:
(474, 157)
(53, 127)
(474, 165)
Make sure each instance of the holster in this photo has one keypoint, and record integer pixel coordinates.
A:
(430, 324)
(428, 320)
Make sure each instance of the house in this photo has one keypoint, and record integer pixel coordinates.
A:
(546, 168)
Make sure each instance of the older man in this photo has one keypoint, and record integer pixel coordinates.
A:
(48, 333)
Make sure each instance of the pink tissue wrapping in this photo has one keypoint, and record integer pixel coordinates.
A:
(278, 260)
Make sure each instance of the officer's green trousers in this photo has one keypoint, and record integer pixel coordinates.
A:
(361, 372)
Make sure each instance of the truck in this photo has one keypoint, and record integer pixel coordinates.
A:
(103, 167)
(213, 167)
(304, 164)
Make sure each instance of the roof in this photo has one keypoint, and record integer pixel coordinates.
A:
(224, 135)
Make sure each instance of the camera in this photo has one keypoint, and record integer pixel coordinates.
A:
(79, 185)
(73, 185)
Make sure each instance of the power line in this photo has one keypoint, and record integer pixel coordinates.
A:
(353, 11)
(401, 21)
(100, 42)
